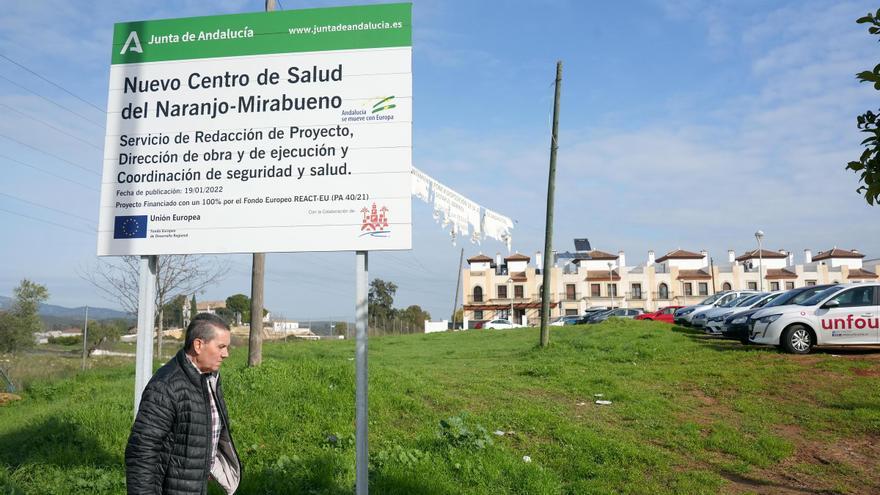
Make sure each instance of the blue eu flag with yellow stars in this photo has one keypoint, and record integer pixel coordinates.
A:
(130, 227)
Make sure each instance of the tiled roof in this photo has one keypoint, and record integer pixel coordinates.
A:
(480, 258)
(519, 276)
(765, 253)
(598, 255)
(517, 257)
(859, 273)
(602, 276)
(779, 274)
(680, 254)
(837, 253)
(693, 275)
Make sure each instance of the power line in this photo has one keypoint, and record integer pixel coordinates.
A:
(49, 173)
(52, 102)
(52, 126)
(91, 171)
(46, 207)
(47, 221)
(54, 84)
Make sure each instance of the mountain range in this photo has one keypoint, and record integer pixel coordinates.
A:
(51, 310)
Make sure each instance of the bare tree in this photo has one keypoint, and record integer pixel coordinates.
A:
(117, 280)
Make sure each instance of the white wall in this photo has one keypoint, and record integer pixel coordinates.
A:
(593, 265)
(769, 263)
(436, 326)
(694, 264)
(849, 262)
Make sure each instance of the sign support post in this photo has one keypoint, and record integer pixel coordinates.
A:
(361, 307)
(146, 312)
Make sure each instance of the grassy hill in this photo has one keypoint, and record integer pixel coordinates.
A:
(689, 414)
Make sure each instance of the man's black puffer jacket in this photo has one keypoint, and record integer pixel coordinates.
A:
(170, 443)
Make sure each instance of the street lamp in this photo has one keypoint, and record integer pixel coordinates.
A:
(610, 280)
(510, 295)
(759, 235)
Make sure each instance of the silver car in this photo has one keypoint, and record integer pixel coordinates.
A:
(687, 315)
(715, 317)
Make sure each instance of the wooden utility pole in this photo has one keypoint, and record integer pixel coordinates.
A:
(712, 271)
(255, 337)
(85, 338)
(457, 284)
(548, 233)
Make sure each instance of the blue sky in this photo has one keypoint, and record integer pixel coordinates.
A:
(683, 124)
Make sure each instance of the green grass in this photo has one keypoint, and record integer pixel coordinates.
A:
(689, 415)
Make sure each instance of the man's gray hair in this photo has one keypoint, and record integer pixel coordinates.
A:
(203, 327)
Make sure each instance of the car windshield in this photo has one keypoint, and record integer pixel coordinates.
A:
(818, 296)
(712, 298)
(733, 302)
(794, 296)
(769, 300)
(748, 300)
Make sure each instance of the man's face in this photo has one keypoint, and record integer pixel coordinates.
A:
(209, 355)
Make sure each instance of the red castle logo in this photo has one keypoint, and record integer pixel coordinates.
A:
(375, 222)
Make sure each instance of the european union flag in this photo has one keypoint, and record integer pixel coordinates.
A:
(130, 227)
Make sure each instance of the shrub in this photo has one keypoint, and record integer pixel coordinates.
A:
(67, 340)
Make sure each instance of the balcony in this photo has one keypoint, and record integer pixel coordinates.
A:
(571, 296)
(658, 297)
(471, 299)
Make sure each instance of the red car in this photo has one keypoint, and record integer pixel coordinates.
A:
(664, 314)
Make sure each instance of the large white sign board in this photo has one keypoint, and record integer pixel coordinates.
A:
(270, 132)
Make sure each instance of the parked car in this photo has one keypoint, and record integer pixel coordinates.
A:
(615, 313)
(565, 320)
(715, 317)
(700, 318)
(685, 316)
(736, 326)
(665, 314)
(499, 324)
(591, 312)
(847, 314)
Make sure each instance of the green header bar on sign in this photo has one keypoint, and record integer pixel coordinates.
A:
(308, 30)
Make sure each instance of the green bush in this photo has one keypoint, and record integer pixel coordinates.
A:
(66, 340)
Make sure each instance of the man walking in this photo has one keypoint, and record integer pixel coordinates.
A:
(181, 434)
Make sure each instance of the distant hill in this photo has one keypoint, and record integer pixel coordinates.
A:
(64, 313)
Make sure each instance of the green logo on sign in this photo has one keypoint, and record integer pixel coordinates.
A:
(378, 107)
(132, 44)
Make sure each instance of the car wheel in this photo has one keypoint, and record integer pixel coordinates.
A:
(797, 339)
(744, 341)
(648, 319)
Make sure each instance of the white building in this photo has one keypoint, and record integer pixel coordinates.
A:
(596, 278)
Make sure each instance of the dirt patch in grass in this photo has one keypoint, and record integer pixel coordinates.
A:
(816, 466)
(873, 371)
